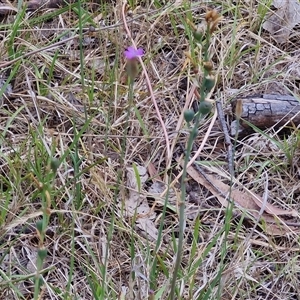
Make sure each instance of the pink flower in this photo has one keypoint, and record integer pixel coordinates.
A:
(131, 53)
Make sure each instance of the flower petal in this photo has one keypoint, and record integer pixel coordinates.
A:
(139, 52)
(131, 53)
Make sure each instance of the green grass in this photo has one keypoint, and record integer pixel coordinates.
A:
(78, 217)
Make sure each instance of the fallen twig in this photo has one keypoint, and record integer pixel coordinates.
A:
(227, 138)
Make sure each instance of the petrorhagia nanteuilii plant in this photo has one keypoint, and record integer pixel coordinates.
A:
(131, 54)
(44, 188)
(202, 39)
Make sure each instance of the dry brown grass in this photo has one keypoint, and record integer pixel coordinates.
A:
(54, 101)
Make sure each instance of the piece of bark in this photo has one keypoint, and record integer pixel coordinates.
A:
(266, 111)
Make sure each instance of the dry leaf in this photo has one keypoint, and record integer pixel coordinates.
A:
(281, 22)
(137, 204)
(153, 172)
(274, 210)
(249, 201)
(213, 185)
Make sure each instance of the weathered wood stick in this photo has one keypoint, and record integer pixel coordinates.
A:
(266, 111)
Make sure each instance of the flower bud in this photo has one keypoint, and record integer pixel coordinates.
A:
(205, 107)
(208, 66)
(211, 16)
(188, 115)
(212, 19)
(209, 83)
(198, 35)
(54, 164)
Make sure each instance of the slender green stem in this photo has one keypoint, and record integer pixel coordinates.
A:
(181, 215)
(192, 136)
(190, 142)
